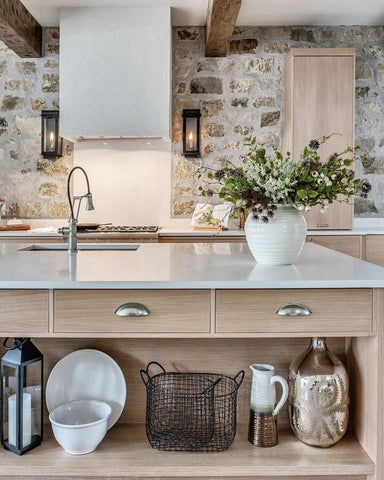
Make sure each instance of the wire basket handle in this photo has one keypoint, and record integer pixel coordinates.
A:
(241, 374)
(211, 386)
(144, 374)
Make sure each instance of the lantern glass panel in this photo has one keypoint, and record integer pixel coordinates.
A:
(191, 134)
(9, 376)
(50, 134)
(32, 395)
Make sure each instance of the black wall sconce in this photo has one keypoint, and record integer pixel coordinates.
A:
(191, 132)
(51, 142)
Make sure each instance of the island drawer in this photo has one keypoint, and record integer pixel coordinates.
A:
(23, 312)
(342, 311)
(93, 311)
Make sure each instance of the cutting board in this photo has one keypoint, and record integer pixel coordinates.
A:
(12, 228)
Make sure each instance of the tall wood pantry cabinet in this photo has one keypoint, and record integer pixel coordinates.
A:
(320, 100)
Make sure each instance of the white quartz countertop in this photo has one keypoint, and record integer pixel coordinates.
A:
(191, 265)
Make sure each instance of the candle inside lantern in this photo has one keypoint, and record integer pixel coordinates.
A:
(51, 141)
(27, 420)
(190, 138)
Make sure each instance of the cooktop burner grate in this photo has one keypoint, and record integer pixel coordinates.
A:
(128, 228)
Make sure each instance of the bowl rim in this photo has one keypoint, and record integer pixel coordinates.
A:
(82, 425)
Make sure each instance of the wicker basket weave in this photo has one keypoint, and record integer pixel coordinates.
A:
(191, 411)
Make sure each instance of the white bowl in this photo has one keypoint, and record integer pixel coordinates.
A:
(80, 426)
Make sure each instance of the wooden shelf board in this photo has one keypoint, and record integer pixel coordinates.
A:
(126, 452)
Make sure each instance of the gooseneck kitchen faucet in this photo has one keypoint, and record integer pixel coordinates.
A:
(71, 230)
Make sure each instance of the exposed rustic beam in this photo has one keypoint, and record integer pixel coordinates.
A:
(19, 30)
(221, 20)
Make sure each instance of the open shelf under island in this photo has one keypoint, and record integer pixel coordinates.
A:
(212, 308)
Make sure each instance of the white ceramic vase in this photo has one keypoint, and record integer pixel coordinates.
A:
(280, 241)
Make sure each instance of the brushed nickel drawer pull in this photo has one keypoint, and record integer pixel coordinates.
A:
(322, 225)
(294, 310)
(132, 309)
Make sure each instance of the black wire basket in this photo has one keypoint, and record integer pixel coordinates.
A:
(193, 412)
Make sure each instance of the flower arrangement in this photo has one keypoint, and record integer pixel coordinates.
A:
(268, 179)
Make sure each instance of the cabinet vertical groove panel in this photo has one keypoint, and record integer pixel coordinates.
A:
(320, 100)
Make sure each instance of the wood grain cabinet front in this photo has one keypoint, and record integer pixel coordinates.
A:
(23, 312)
(348, 244)
(168, 311)
(330, 312)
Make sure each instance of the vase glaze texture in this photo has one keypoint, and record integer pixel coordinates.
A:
(280, 241)
(318, 396)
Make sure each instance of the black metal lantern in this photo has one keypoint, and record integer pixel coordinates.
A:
(51, 142)
(21, 396)
(191, 133)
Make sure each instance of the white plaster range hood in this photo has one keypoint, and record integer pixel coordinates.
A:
(115, 72)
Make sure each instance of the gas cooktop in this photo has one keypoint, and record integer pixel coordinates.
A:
(127, 228)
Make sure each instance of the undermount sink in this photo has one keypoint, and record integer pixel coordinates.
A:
(53, 247)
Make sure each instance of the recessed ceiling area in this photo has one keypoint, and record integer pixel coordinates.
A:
(252, 12)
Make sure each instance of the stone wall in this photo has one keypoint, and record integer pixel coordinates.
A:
(245, 91)
(31, 186)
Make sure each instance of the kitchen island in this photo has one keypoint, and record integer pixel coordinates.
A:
(212, 308)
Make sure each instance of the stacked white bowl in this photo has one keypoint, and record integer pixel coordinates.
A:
(80, 426)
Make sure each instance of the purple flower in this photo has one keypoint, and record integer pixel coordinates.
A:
(314, 144)
(219, 174)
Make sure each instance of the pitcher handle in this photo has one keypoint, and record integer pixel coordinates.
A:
(284, 395)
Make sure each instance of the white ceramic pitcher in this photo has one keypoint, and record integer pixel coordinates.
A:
(263, 394)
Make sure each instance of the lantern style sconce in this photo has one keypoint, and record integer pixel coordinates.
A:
(191, 133)
(51, 142)
(21, 396)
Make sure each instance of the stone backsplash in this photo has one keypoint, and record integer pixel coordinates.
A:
(244, 91)
(32, 187)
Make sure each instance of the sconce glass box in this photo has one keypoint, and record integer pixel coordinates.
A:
(51, 142)
(191, 133)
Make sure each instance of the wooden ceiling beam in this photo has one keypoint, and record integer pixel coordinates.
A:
(221, 20)
(19, 30)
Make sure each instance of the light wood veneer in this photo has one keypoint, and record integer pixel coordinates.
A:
(337, 312)
(171, 311)
(24, 312)
(320, 100)
(125, 453)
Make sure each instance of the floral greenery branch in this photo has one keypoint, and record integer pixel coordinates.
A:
(266, 180)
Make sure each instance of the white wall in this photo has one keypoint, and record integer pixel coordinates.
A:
(130, 181)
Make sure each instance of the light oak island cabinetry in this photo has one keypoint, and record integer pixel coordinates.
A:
(320, 100)
(225, 325)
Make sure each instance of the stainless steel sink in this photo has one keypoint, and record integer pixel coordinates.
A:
(53, 247)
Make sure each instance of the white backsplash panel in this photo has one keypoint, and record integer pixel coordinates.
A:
(130, 181)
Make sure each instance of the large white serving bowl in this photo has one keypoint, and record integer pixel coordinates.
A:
(80, 426)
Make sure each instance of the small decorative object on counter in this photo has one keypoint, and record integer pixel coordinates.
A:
(263, 417)
(318, 396)
(22, 396)
(275, 189)
(191, 411)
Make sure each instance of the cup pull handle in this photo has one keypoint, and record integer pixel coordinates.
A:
(132, 309)
(293, 310)
(284, 395)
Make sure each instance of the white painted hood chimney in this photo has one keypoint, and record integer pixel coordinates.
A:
(115, 72)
